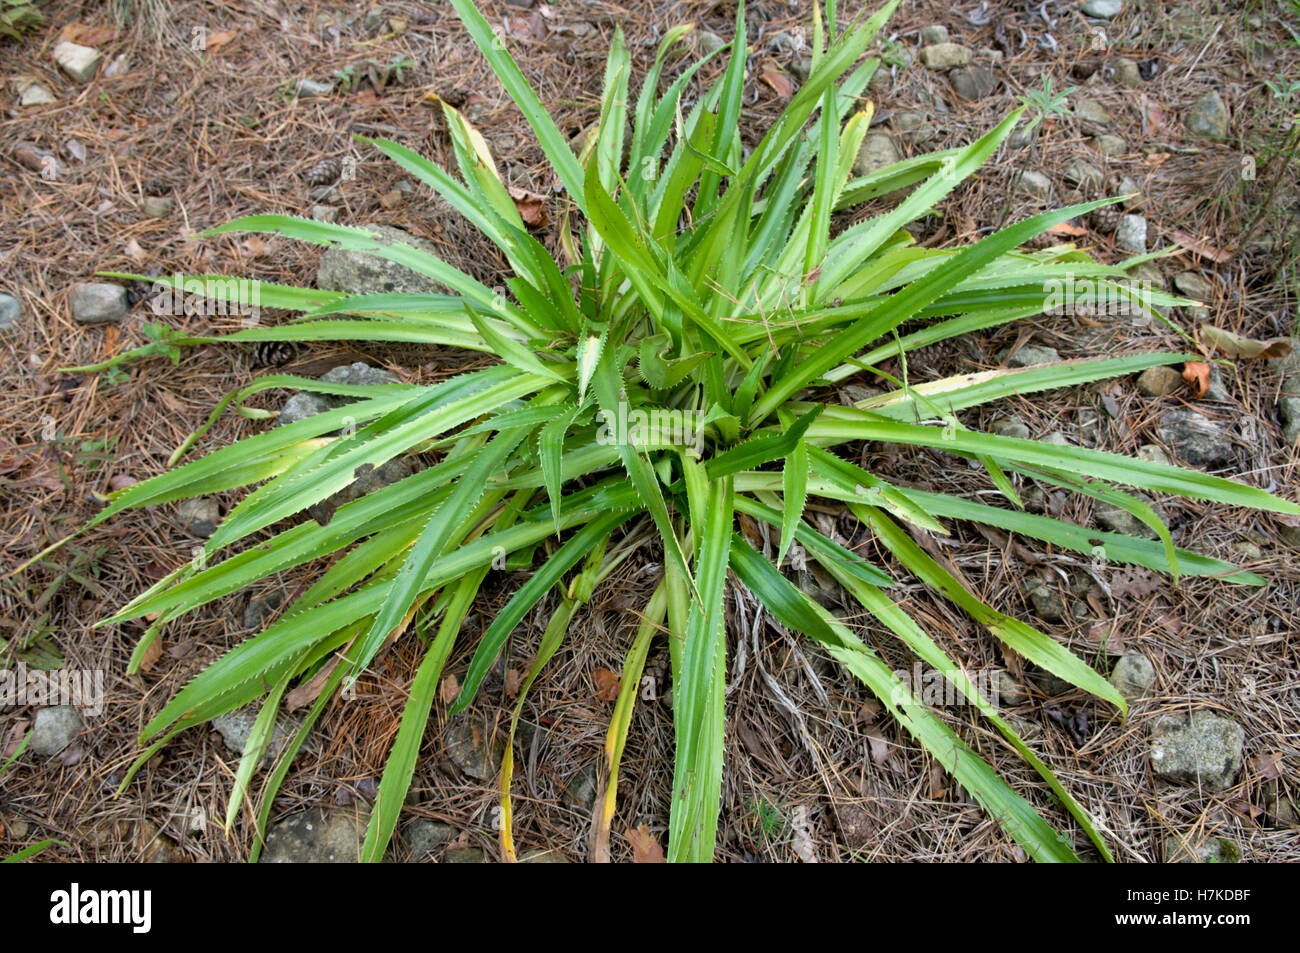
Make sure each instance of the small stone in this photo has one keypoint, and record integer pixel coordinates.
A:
(1199, 748)
(423, 836)
(120, 65)
(316, 837)
(876, 152)
(1131, 234)
(53, 729)
(77, 61)
(1022, 136)
(1133, 676)
(1008, 691)
(260, 609)
(934, 34)
(1246, 550)
(1126, 73)
(34, 94)
(801, 68)
(1109, 145)
(464, 855)
(707, 42)
(1195, 439)
(1057, 439)
(913, 126)
(11, 313)
(1047, 604)
(153, 847)
(235, 728)
(973, 82)
(1033, 184)
(198, 517)
(1103, 9)
(472, 750)
(1082, 174)
(944, 56)
(1153, 454)
(324, 213)
(1029, 355)
(1014, 428)
(1215, 850)
(360, 273)
(1208, 117)
(582, 788)
(1116, 520)
(98, 303)
(1192, 285)
(1092, 111)
(1159, 381)
(1129, 186)
(1282, 812)
(302, 405)
(312, 88)
(158, 206)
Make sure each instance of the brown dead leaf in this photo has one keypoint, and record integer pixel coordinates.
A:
(1197, 374)
(308, 691)
(645, 849)
(1235, 345)
(151, 655)
(217, 40)
(87, 35)
(607, 683)
(781, 82)
(531, 206)
(879, 747)
(514, 682)
(449, 689)
(1065, 228)
(1268, 765)
(391, 199)
(1203, 249)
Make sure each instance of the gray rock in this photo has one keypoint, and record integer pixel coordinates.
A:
(1022, 136)
(423, 837)
(1047, 604)
(1083, 174)
(1033, 184)
(1057, 439)
(359, 273)
(1012, 427)
(158, 206)
(1207, 118)
(1109, 145)
(1125, 73)
(34, 94)
(235, 728)
(306, 404)
(316, 837)
(1131, 234)
(324, 213)
(1009, 691)
(876, 152)
(465, 855)
(913, 126)
(312, 88)
(1195, 439)
(1133, 676)
(934, 34)
(472, 749)
(1116, 520)
(261, 608)
(973, 82)
(1103, 9)
(1153, 454)
(582, 788)
(1092, 111)
(1030, 355)
(11, 314)
(1192, 285)
(706, 42)
(1160, 381)
(944, 56)
(1288, 408)
(1129, 186)
(1199, 748)
(53, 729)
(199, 516)
(95, 302)
(1217, 390)
(77, 61)
(1215, 850)
(801, 69)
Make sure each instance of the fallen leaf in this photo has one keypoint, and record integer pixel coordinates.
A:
(449, 689)
(1203, 249)
(645, 849)
(531, 206)
(1268, 765)
(1235, 345)
(391, 199)
(308, 691)
(607, 683)
(86, 35)
(781, 82)
(1065, 228)
(514, 681)
(879, 747)
(1197, 374)
(151, 655)
(217, 40)
(134, 251)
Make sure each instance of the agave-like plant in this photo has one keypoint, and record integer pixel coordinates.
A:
(706, 288)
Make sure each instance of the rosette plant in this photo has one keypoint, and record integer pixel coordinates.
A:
(701, 279)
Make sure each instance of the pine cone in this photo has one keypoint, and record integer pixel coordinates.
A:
(324, 172)
(273, 353)
(1105, 219)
